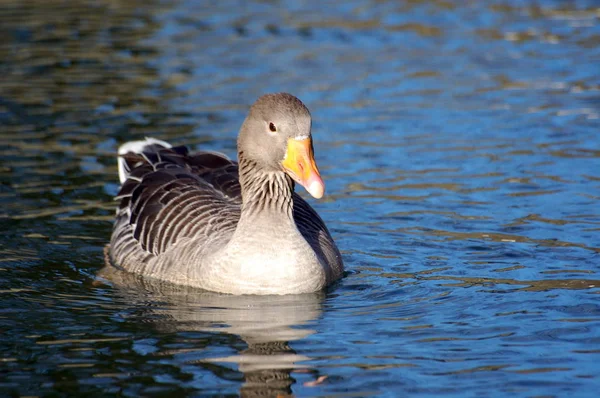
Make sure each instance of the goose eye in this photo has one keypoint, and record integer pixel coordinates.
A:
(272, 127)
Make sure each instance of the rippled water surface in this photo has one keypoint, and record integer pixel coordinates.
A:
(460, 144)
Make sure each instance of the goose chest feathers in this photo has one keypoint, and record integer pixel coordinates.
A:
(204, 220)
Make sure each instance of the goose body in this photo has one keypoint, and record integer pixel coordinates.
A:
(204, 220)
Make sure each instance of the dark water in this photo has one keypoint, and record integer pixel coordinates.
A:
(460, 144)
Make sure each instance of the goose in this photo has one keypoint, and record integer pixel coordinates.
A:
(206, 221)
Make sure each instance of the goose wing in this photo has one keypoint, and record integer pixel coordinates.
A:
(168, 195)
(314, 230)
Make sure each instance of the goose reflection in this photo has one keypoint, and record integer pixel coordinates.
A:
(265, 323)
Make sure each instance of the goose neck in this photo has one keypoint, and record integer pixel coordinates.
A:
(264, 192)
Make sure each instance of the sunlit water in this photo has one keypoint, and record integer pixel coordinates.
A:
(460, 146)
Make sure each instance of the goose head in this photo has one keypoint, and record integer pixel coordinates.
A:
(276, 136)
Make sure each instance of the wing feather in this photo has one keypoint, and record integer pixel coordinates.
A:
(169, 195)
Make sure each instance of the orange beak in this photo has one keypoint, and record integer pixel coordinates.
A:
(299, 163)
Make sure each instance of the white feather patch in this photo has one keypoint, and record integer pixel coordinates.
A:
(135, 147)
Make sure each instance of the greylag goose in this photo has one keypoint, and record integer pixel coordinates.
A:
(206, 221)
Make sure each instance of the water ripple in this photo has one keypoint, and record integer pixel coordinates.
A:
(459, 144)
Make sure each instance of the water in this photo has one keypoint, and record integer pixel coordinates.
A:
(460, 146)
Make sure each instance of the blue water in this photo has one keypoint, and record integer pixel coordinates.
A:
(460, 146)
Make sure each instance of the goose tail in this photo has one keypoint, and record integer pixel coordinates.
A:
(146, 145)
